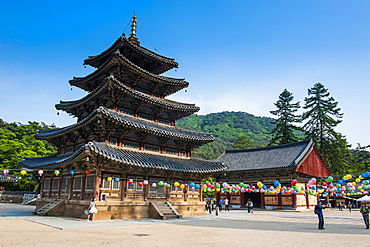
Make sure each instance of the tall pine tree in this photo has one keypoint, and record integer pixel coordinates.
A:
(322, 116)
(284, 131)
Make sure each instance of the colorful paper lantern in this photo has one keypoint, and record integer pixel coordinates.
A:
(40, 172)
(56, 172)
(6, 172)
(23, 172)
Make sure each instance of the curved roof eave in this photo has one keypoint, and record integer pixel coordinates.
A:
(117, 57)
(169, 104)
(135, 123)
(128, 157)
(122, 41)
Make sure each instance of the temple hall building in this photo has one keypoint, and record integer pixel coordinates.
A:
(299, 161)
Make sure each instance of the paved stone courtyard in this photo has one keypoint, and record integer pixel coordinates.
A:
(235, 228)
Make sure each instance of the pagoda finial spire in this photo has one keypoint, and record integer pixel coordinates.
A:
(133, 37)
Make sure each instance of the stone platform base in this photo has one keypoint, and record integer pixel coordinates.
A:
(110, 210)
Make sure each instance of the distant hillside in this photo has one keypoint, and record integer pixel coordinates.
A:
(227, 127)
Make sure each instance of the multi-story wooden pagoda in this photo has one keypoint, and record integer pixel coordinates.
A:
(125, 149)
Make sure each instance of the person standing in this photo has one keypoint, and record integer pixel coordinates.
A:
(220, 205)
(318, 210)
(250, 206)
(226, 203)
(340, 206)
(350, 207)
(92, 210)
(364, 210)
(209, 206)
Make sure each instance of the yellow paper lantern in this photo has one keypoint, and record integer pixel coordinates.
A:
(177, 184)
(23, 172)
(182, 186)
(109, 178)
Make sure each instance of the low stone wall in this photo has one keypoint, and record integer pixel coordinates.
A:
(109, 210)
(12, 196)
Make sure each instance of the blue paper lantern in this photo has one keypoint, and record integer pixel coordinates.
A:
(72, 172)
(276, 183)
(116, 179)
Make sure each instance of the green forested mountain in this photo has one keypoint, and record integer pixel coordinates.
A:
(227, 127)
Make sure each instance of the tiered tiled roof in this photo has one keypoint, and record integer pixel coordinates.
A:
(163, 63)
(69, 106)
(282, 156)
(129, 157)
(115, 58)
(134, 123)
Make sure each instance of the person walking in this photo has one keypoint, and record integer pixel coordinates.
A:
(226, 203)
(250, 206)
(318, 210)
(364, 210)
(92, 210)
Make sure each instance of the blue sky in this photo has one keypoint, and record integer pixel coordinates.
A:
(236, 55)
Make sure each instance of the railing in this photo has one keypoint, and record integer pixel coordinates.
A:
(28, 198)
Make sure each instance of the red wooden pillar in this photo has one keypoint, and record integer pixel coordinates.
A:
(50, 186)
(97, 184)
(146, 190)
(83, 186)
(307, 201)
(60, 186)
(262, 200)
(242, 199)
(279, 201)
(294, 199)
(201, 193)
(168, 191)
(185, 191)
(168, 194)
(70, 196)
(123, 189)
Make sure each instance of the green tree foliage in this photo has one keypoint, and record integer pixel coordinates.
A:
(359, 161)
(243, 143)
(322, 116)
(284, 131)
(16, 142)
(227, 127)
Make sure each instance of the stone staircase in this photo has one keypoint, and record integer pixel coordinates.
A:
(163, 210)
(50, 206)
